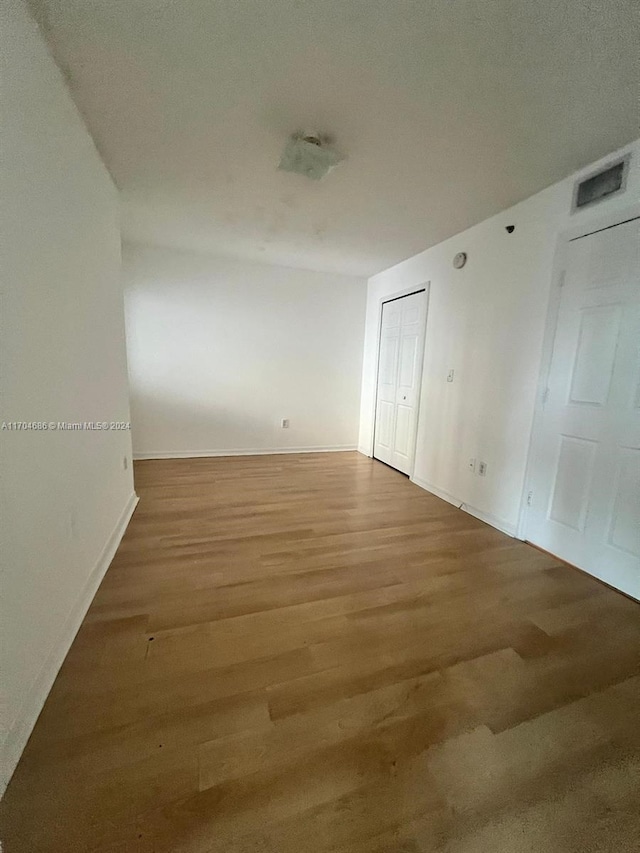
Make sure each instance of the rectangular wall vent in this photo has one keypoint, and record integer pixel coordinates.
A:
(607, 182)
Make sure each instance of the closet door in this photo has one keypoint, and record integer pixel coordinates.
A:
(399, 372)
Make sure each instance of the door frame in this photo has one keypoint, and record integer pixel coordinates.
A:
(566, 236)
(425, 288)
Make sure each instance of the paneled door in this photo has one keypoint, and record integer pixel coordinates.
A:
(585, 483)
(399, 372)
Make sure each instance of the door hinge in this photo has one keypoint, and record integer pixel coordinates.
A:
(529, 498)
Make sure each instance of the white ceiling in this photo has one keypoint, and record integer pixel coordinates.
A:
(447, 111)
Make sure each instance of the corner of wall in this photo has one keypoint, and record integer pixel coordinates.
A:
(17, 736)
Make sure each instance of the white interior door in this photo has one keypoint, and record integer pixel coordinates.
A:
(399, 371)
(585, 499)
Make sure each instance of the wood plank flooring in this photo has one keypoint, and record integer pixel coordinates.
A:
(309, 654)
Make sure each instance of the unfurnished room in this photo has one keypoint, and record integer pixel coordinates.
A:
(320, 426)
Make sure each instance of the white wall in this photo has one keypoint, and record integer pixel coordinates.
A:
(486, 322)
(221, 350)
(65, 495)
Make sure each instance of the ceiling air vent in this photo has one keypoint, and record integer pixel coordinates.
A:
(596, 187)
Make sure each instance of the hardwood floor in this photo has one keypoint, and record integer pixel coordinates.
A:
(304, 654)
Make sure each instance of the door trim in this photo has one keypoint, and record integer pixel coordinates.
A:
(566, 236)
(400, 294)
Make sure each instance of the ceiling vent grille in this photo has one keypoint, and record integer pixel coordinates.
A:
(603, 184)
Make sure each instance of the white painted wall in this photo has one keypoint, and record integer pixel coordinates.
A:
(65, 495)
(487, 323)
(221, 350)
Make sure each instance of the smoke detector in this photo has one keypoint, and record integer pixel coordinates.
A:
(309, 154)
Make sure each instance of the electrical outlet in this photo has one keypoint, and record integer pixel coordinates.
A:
(482, 468)
(450, 375)
(472, 464)
(284, 423)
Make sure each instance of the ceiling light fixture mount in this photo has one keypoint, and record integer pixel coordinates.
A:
(310, 154)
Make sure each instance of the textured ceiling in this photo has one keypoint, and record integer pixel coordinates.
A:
(446, 110)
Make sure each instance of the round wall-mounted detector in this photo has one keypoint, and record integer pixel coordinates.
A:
(460, 260)
(510, 229)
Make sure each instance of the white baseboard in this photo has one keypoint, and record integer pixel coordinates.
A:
(268, 451)
(499, 523)
(439, 493)
(18, 735)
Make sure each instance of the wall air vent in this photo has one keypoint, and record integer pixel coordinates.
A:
(596, 187)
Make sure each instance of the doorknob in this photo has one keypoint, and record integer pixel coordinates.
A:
(404, 397)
